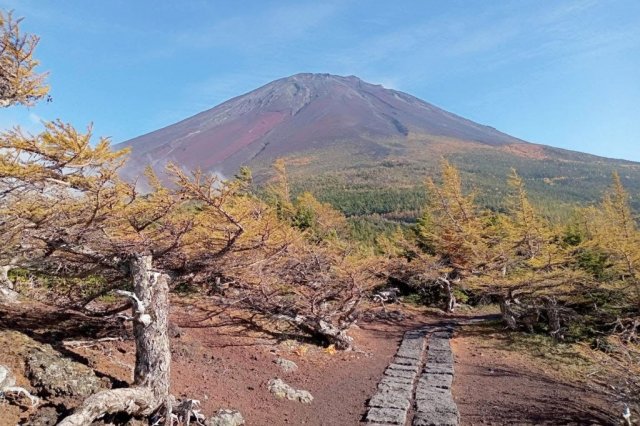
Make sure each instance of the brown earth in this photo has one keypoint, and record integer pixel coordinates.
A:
(505, 378)
(226, 361)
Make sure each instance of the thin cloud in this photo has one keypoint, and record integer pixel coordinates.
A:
(272, 28)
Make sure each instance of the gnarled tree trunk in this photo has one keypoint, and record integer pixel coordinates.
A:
(150, 301)
(553, 318)
(153, 356)
(450, 299)
(7, 293)
(508, 316)
(322, 330)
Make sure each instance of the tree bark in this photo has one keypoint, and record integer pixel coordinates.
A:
(127, 400)
(450, 299)
(322, 330)
(7, 293)
(153, 355)
(508, 316)
(150, 301)
(553, 318)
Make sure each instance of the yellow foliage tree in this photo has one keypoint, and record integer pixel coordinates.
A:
(320, 220)
(455, 228)
(456, 222)
(19, 81)
(612, 228)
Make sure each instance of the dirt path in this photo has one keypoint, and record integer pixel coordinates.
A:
(227, 363)
(496, 381)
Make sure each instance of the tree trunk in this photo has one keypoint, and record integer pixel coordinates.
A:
(7, 293)
(553, 318)
(508, 316)
(336, 336)
(450, 299)
(150, 301)
(153, 355)
(322, 330)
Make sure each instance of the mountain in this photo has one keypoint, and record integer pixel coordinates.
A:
(365, 148)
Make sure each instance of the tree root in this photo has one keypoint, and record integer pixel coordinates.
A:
(134, 401)
(137, 401)
(21, 391)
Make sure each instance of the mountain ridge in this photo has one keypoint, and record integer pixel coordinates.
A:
(292, 108)
(346, 139)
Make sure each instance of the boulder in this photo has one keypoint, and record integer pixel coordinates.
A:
(286, 365)
(54, 375)
(282, 390)
(226, 418)
(45, 416)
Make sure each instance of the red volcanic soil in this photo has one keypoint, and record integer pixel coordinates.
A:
(226, 363)
(498, 385)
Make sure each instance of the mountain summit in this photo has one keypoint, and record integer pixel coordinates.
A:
(365, 148)
(297, 113)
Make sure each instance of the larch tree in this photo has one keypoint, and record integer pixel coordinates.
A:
(19, 81)
(75, 218)
(20, 84)
(320, 220)
(612, 230)
(528, 229)
(536, 268)
(453, 226)
(279, 191)
(295, 268)
(66, 213)
(315, 288)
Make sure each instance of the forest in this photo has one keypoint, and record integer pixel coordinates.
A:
(76, 235)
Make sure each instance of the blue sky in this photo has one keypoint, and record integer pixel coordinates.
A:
(561, 73)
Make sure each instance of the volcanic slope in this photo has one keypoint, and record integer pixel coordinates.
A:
(367, 149)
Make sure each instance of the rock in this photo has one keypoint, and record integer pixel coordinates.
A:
(410, 368)
(8, 296)
(447, 334)
(412, 346)
(226, 418)
(435, 419)
(55, 375)
(439, 344)
(406, 361)
(15, 394)
(390, 400)
(286, 365)
(440, 357)
(392, 372)
(393, 416)
(45, 416)
(431, 368)
(400, 388)
(410, 353)
(442, 381)
(439, 400)
(282, 390)
(397, 380)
